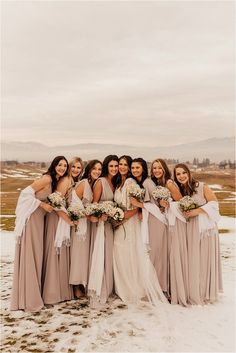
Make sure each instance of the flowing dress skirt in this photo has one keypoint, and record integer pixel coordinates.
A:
(79, 252)
(210, 267)
(158, 241)
(178, 264)
(125, 261)
(26, 291)
(56, 267)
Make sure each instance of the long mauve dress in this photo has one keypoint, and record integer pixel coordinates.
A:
(158, 239)
(108, 278)
(178, 263)
(27, 291)
(56, 267)
(79, 249)
(205, 276)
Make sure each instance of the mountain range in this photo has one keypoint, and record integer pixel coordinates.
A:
(216, 149)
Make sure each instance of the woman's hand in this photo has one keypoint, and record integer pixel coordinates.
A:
(164, 203)
(104, 217)
(93, 219)
(46, 207)
(192, 213)
(135, 202)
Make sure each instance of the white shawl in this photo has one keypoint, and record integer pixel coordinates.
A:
(155, 211)
(63, 228)
(208, 220)
(97, 266)
(173, 213)
(26, 205)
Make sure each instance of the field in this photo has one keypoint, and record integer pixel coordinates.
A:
(13, 180)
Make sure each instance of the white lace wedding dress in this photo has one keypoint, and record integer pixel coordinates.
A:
(134, 275)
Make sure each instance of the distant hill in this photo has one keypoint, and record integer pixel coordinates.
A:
(216, 149)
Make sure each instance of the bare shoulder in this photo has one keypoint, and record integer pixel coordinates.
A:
(41, 183)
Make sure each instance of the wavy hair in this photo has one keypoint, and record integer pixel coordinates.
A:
(88, 169)
(52, 171)
(128, 159)
(144, 172)
(166, 172)
(105, 172)
(192, 184)
(71, 163)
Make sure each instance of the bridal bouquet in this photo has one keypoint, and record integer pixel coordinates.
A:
(116, 214)
(134, 190)
(161, 193)
(105, 207)
(75, 213)
(56, 200)
(186, 204)
(93, 209)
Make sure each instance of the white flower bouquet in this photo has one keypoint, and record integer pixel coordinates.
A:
(186, 204)
(75, 213)
(56, 200)
(93, 209)
(161, 193)
(134, 190)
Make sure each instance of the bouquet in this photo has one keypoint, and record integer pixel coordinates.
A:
(56, 200)
(134, 190)
(109, 208)
(93, 209)
(75, 213)
(161, 193)
(186, 204)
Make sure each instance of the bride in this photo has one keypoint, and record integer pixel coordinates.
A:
(134, 275)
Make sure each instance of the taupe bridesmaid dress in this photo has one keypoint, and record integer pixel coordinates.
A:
(56, 267)
(205, 276)
(178, 263)
(158, 239)
(108, 278)
(27, 291)
(79, 249)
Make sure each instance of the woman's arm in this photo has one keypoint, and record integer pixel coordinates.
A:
(97, 191)
(41, 184)
(62, 188)
(175, 193)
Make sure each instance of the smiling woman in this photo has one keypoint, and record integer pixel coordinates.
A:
(31, 209)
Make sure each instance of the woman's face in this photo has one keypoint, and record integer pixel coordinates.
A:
(96, 171)
(76, 169)
(182, 176)
(112, 168)
(123, 167)
(157, 170)
(61, 168)
(137, 170)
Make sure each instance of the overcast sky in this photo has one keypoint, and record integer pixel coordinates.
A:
(152, 73)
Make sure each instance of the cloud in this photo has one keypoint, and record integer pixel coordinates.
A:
(117, 72)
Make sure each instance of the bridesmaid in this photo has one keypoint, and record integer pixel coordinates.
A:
(204, 265)
(103, 191)
(56, 286)
(157, 222)
(30, 214)
(79, 249)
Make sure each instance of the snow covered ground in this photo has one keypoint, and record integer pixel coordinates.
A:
(74, 327)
